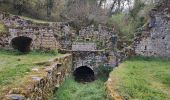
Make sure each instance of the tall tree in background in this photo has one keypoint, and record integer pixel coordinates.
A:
(84, 12)
(118, 5)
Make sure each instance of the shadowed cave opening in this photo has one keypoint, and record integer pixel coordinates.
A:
(84, 74)
(21, 43)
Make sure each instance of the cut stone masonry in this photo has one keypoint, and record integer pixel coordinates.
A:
(41, 82)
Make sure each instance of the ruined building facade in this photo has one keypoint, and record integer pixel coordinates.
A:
(91, 46)
(156, 40)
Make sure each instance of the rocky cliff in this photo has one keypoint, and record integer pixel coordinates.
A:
(155, 40)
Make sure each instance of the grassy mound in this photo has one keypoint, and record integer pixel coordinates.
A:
(71, 90)
(14, 65)
(143, 78)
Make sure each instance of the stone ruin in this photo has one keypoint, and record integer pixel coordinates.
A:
(91, 47)
(155, 41)
(26, 35)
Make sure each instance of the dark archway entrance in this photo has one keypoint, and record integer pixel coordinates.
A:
(84, 74)
(21, 43)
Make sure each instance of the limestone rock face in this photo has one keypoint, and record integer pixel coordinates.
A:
(157, 41)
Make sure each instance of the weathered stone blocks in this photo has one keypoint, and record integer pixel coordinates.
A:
(41, 82)
(158, 42)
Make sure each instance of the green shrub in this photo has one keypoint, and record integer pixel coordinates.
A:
(124, 25)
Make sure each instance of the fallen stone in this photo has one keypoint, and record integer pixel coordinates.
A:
(36, 78)
(15, 97)
(15, 91)
(59, 73)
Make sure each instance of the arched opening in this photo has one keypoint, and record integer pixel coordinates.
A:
(84, 74)
(21, 43)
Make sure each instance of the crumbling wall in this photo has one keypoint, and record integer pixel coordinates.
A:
(157, 40)
(101, 36)
(41, 82)
(83, 46)
(91, 59)
(44, 35)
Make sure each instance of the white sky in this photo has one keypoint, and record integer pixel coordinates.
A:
(126, 5)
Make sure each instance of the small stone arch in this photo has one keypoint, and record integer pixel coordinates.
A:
(22, 43)
(84, 74)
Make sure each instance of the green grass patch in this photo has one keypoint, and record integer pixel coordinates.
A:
(143, 78)
(71, 90)
(14, 65)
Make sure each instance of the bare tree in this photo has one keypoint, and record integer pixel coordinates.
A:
(118, 5)
(85, 11)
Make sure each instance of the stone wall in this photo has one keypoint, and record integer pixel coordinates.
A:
(91, 46)
(91, 59)
(44, 35)
(103, 37)
(83, 46)
(41, 82)
(156, 41)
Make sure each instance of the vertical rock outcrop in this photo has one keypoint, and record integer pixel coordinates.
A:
(156, 40)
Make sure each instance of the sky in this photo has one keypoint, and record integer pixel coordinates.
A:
(126, 5)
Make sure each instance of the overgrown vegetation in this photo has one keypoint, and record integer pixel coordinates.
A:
(14, 65)
(103, 72)
(143, 78)
(127, 23)
(54, 10)
(40, 9)
(81, 13)
(71, 90)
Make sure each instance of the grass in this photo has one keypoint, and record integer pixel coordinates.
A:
(14, 65)
(143, 78)
(71, 90)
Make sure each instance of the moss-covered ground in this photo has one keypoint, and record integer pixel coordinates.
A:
(143, 78)
(15, 65)
(72, 90)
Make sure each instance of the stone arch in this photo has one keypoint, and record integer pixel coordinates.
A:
(84, 74)
(21, 43)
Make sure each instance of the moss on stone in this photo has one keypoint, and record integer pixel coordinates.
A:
(2, 27)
